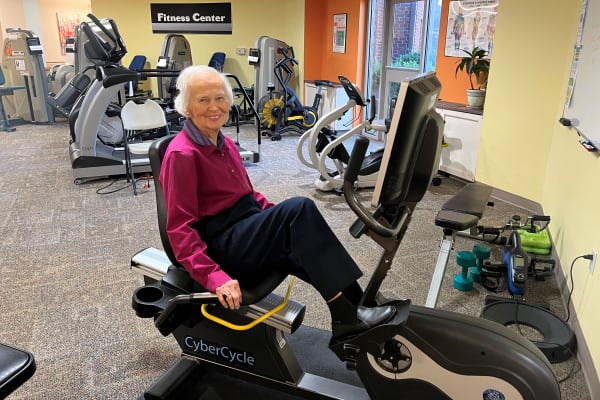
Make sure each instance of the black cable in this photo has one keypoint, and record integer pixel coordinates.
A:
(572, 284)
(145, 177)
(572, 369)
(349, 123)
(101, 189)
(518, 324)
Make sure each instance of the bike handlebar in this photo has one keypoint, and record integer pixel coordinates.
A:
(350, 176)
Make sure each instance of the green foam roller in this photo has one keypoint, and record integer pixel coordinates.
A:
(535, 250)
(536, 240)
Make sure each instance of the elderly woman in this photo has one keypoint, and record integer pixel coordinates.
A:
(225, 233)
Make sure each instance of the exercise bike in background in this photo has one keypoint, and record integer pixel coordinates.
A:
(283, 112)
(320, 147)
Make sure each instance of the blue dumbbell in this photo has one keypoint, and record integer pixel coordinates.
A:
(482, 253)
(466, 260)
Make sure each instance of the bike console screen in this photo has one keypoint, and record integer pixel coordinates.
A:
(352, 91)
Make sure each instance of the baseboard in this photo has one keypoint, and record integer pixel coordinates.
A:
(518, 201)
(583, 352)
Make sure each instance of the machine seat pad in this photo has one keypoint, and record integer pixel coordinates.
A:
(454, 220)
(252, 291)
(471, 199)
(16, 367)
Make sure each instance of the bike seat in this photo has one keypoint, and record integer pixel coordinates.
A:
(179, 279)
(174, 301)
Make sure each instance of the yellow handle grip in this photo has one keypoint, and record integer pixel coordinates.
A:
(257, 321)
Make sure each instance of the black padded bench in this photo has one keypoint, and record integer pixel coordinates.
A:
(471, 199)
(16, 367)
(466, 208)
(463, 211)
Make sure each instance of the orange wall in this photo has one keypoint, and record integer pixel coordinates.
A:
(453, 88)
(320, 60)
(321, 63)
(314, 38)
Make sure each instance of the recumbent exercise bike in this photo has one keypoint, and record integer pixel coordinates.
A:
(422, 353)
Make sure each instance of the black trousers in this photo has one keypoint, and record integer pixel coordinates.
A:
(248, 242)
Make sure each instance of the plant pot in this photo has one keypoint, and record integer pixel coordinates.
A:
(475, 98)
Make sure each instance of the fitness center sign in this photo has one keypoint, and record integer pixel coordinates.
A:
(191, 18)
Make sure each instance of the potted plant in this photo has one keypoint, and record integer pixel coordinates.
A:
(476, 66)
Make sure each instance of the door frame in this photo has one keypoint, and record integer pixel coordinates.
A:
(389, 73)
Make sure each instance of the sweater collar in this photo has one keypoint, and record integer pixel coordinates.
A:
(197, 136)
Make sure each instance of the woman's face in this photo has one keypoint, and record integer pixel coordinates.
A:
(208, 107)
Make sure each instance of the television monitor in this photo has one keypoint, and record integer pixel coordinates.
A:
(414, 140)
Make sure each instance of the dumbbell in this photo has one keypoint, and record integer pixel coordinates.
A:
(482, 253)
(466, 260)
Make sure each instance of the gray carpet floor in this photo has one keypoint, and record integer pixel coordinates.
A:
(66, 286)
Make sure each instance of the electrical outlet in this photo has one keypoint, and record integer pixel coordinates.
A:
(593, 260)
(240, 51)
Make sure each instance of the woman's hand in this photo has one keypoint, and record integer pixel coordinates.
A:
(230, 294)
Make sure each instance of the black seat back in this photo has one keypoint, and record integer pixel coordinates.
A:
(217, 61)
(156, 153)
(16, 367)
(251, 291)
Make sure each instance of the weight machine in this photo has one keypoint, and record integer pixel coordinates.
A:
(23, 65)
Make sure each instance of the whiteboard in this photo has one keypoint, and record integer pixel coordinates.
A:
(582, 105)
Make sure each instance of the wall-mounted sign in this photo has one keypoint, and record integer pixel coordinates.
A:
(339, 33)
(191, 18)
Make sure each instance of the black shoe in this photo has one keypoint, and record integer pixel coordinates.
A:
(375, 315)
(366, 318)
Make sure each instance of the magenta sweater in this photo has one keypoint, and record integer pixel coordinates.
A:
(200, 179)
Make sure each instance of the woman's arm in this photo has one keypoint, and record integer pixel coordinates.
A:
(180, 185)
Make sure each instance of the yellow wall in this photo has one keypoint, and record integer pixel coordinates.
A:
(525, 151)
(526, 84)
(250, 18)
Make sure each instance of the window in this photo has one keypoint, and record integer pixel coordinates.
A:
(403, 41)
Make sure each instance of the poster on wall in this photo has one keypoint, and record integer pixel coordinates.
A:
(339, 33)
(191, 18)
(67, 25)
(471, 24)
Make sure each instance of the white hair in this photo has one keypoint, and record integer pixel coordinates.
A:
(183, 97)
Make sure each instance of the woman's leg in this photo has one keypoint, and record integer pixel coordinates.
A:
(294, 235)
